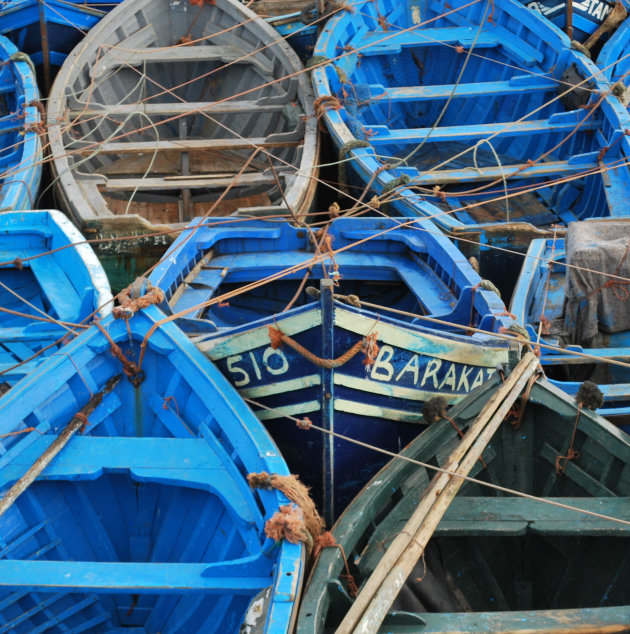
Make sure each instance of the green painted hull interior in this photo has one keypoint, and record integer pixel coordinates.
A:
(496, 559)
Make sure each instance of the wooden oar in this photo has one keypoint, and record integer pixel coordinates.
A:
(381, 589)
(77, 421)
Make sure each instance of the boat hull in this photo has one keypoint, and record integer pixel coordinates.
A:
(487, 551)
(145, 518)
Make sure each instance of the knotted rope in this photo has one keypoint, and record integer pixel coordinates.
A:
(277, 338)
(131, 299)
(343, 170)
(591, 397)
(130, 369)
(328, 541)
(310, 525)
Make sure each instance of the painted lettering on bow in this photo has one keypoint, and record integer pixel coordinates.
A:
(427, 373)
(251, 366)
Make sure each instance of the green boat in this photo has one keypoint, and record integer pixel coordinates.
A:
(497, 562)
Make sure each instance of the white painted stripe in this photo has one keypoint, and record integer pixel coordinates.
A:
(363, 409)
(482, 353)
(221, 347)
(395, 391)
(281, 386)
(291, 410)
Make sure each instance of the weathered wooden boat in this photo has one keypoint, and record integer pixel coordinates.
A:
(48, 31)
(477, 115)
(496, 562)
(357, 354)
(167, 111)
(145, 522)
(50, 281)
(581, 309)
(20, 130)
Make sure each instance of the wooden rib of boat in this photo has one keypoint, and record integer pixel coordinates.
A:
(389, 362)
(43, 296)
(20, 128)
(467, 103)
(167, 111)
(144, 522)
(48, 31)
(496, 562)
(539, 303)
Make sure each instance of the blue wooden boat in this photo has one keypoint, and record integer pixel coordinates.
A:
(561, 303)
(21, 116)
(48, 31)
(449, 108)
(145, 522)
(364, 306)
(496, 562)
(43, 297)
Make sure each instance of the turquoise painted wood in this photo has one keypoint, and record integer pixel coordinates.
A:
(497, 562)
(455, 99)
(20, 143)
(43, 297)
(539, 296)
(413, 269)
(145, 522)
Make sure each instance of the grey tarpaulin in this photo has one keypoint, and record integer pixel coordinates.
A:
(603, 248)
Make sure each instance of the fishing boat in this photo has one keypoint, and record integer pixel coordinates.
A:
(144, 520)
(496, 562)
(51, 282)
(571, 296)
(170, 110)
(48, 31)
(355, 338)
(476, 115)
(20, 130)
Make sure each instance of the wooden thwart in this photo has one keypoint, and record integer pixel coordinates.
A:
(381, 589)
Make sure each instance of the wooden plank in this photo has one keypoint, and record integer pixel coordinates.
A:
(170, 109)
(475, 175)
(507, 515)
(383, 586)
(201, 181)
(178, 54)
(446, 134)
(414, 94)
(181, 145)
(126, 577)
(386, 43)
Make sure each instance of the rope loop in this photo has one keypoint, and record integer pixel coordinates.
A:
(328, 541)
(140, 294)
(399, 181)
(277, 337)
(84, 420)
(343, 169)
(135, 376)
